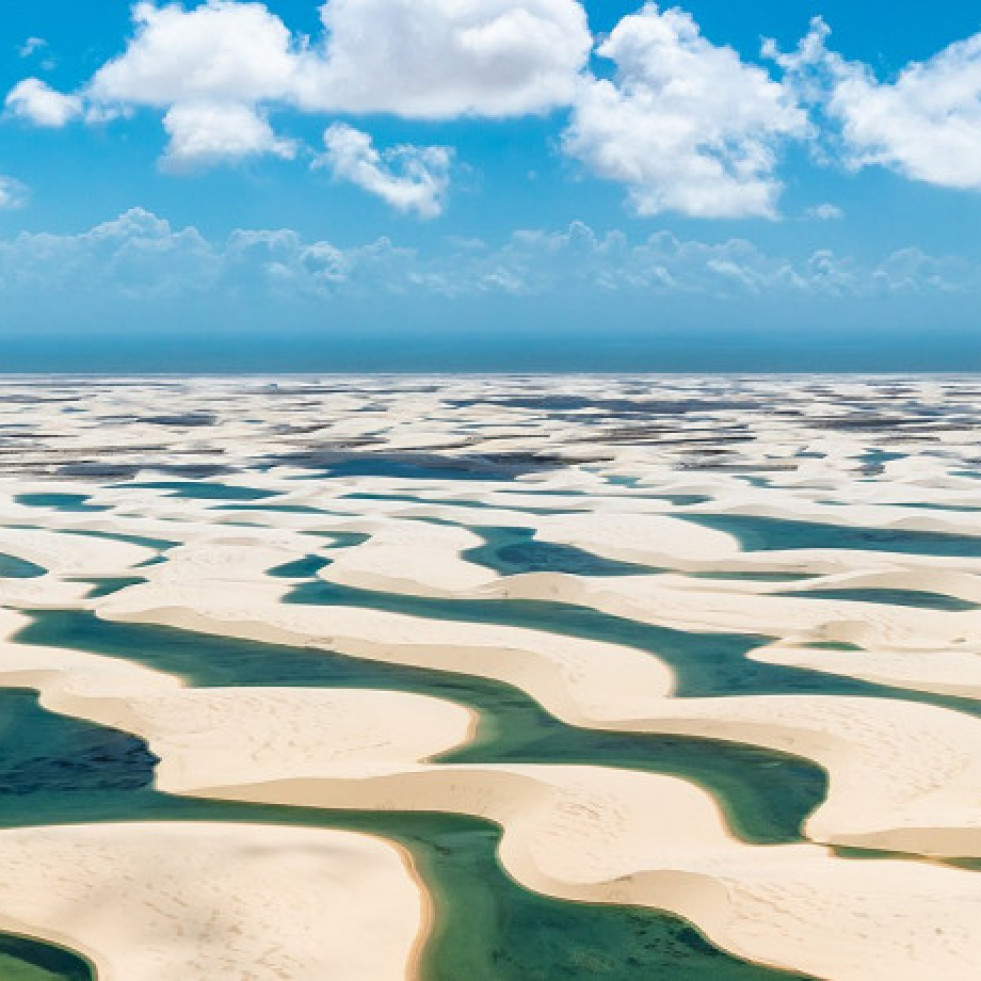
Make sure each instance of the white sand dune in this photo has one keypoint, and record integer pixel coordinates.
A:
(72, 555)
(944, 672)
(200, 901)
(412, 557)
(600, 835)
(903, 776)
(582, 833)
(158, 901)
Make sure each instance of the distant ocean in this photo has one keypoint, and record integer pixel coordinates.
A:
(505, 350)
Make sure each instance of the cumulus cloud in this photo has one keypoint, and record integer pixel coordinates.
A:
(409, 178)
(40, 104)
(226, 63)
(443, 58)
(221, 52)
(925, 124)
(687, 125)
(141, 257)
(202, 133)
(137, 255)
(684, 124)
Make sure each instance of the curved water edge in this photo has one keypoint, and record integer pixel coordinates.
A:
(12, 567)
(756, 533)
(29, 959)
(58, 501)
(705, 665)
(514, 551)
(922, 599)
(766, 795)
(202, 490)
(487, 927)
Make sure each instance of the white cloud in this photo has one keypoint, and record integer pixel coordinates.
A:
(685, 124)
(140, 257)
(40, 104)
(225, 65)
(203, 133)
(409, 178)
(926, 124)
(137, 255)
(430, 58)
(446, 58)
(221, 52)
(31, 46)
(13, 194)
(825, 212)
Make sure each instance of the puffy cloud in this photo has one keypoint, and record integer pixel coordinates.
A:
(37, 102)
(221, 53)
(210, 68)
(685, 124)
(137, 255)
(409, 178)
(219, 69)
(140, 257)
(444, 58)
(225, 63)
(926, 124)
(202, 133)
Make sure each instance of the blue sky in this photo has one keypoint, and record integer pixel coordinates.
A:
(499, 183)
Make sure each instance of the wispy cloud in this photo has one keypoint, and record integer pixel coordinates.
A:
(31, 46)
(13, 194)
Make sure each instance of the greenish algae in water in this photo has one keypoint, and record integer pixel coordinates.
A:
(12, 567)
(705, 665)
(25, 959)
(488, 927)
(919, 598)
(760, 534)
(513, 551)
(766, 795)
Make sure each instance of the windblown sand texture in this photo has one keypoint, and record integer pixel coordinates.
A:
(783, 568)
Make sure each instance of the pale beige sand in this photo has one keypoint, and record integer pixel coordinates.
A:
(160, 901)
(903, 775)
(651, 600)
(643, 538)
(955, 673)
(234, 731)
(412, 557)
(572, 676)
(72, 555)
(579, 833)
(599, 835)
